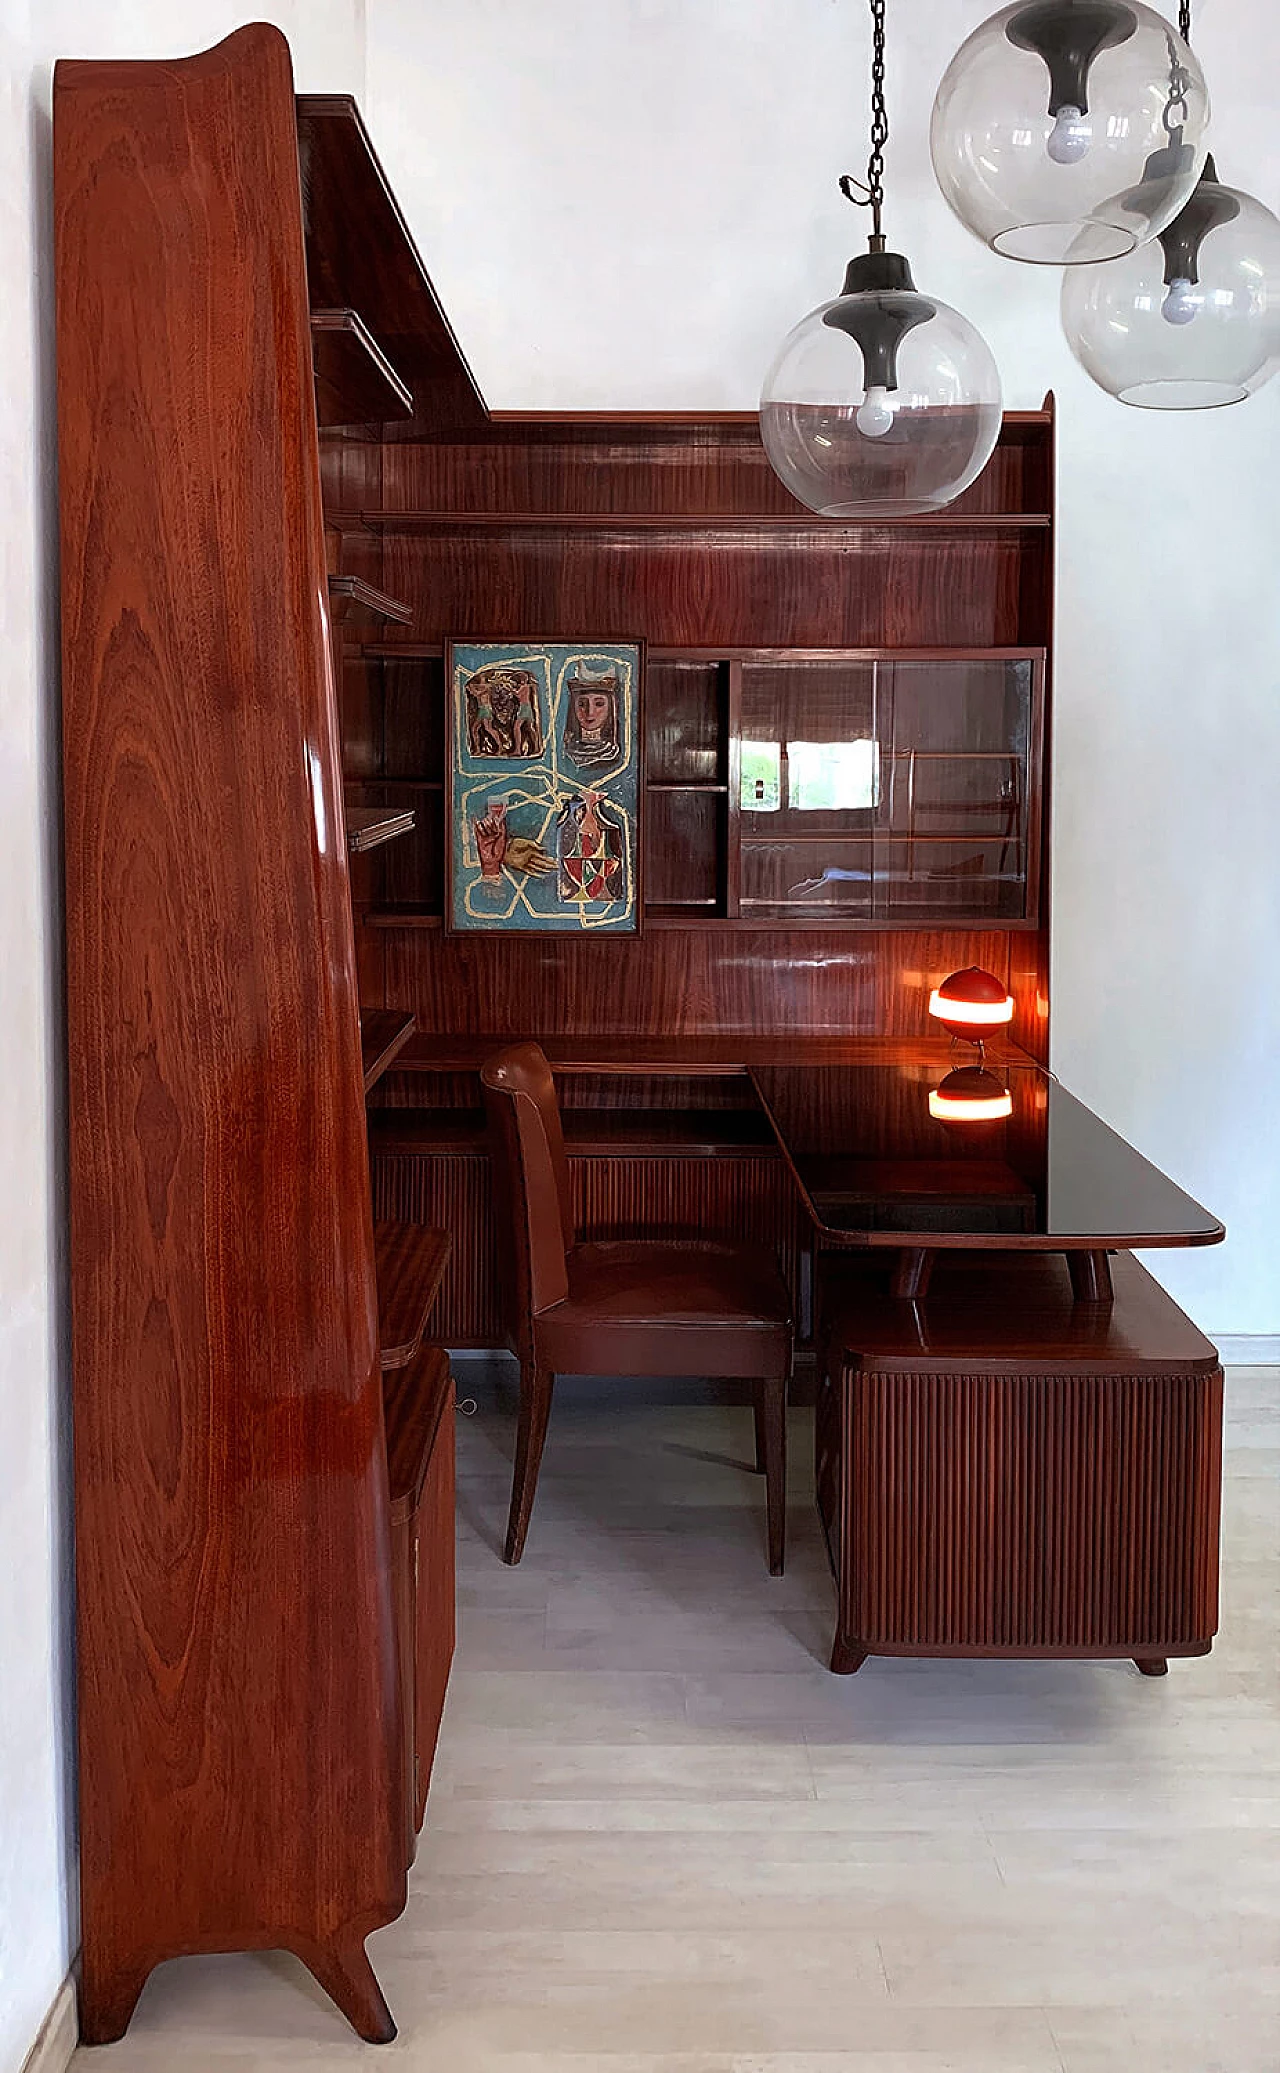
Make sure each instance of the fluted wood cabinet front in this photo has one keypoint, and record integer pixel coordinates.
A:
(1061, 1503)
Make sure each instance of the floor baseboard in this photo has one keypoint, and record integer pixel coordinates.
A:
(59, 2033)
(1249, 1350)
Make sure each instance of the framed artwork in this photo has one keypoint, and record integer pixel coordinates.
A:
(543, 788)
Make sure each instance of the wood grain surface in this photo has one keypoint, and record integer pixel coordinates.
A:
(239, 1727)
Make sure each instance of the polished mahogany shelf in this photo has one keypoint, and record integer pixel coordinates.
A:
(355, 382)
(355, 603)
(697, 914)
(409, 1260)
(588, 1133)
(402, 918)
(370, 826)
(682, 522)
(415, 1398)
(727, 1057)
(383, 1033)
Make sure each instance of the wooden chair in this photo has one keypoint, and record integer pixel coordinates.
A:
(624, 1306)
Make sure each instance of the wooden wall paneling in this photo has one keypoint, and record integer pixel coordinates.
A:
(808, 585)
(452, 1191)
(684, 983)
(700, 463)
(684, 850)
(351, 477)
(238, 1723)
(685, 721)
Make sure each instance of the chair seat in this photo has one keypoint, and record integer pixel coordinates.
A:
(667, 1307)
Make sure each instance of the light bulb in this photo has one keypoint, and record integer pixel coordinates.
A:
(1180, 304)
(875, 413)
(1070, 138)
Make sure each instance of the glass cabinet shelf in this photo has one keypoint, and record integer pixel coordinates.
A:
(890, 788)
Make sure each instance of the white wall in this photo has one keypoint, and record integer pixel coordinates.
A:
(38, 1930)
(628, 202)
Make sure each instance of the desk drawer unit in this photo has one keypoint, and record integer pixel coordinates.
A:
(982, 1500)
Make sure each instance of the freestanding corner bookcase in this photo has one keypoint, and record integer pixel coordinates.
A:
(264, 1542)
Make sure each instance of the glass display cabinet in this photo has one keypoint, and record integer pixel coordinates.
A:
(854, 788)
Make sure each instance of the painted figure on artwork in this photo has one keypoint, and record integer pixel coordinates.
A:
(498, 849)
(502, 713)
(591, 851)
(592, 726)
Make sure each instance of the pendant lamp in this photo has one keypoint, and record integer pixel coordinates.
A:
(883, 402)
(1067, 132)
(1192, 320)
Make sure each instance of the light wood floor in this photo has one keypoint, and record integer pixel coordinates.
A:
(661, 1836)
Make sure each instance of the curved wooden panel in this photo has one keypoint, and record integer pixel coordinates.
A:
(238, 1722)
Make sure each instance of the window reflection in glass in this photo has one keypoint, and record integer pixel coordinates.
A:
(821, 776)
(832, 776)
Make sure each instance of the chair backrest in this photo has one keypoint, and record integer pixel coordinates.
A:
(531, 1180)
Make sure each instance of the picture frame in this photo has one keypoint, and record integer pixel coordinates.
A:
(543, 786)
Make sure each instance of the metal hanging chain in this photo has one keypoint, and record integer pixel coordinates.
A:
(869, 194)
(1177, 108)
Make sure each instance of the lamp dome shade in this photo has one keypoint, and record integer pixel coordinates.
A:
(1066, 132)
(970, 1094)
(1191, 321)
(882, 403)
(972, 1003)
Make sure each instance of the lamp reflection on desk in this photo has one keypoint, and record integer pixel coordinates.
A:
(970, 1094)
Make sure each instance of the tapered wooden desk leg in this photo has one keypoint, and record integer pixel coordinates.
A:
(343, 1970)
(1153, 1666)
(536, 1385)
(911, 1274)
(107, 2000)
(1091, 1277)
(846, 1656)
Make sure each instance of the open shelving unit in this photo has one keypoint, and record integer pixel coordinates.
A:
(370, 826)
(784, 788)
(355, 604)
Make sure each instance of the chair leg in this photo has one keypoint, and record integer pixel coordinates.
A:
(535, 1408)
(758, 1403)
(771, 1440)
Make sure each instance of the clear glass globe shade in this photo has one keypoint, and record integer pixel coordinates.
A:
(1117, 318)
(1084, 185)
(944, 416)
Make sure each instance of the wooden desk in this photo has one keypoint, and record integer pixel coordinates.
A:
(875, 1169)
(812, 1141)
